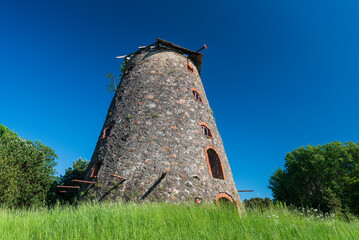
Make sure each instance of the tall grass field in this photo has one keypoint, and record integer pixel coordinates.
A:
(167, 221)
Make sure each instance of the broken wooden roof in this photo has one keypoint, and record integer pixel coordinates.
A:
(196, 57)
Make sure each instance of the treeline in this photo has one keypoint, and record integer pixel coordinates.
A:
(324, 177)
(27, 172)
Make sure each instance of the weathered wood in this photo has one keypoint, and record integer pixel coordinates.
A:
(83, 181)
(153, 186)
(176, 47)
(149, 46)
(59, 186)
(114, 175)
(196, 57)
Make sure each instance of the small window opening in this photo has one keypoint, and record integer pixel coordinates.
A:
(196, 95)
(206, 131)
(95, 170)
(190, 68)
(106, 131)
(129, 69)
(215, 164)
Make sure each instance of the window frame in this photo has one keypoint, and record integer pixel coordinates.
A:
(203, 124)
(129, 68)
(220, 161)
(189, 68)
(194, 90)
(96, 169)
(106, 129)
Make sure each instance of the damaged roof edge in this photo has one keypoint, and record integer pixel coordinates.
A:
(196, 57)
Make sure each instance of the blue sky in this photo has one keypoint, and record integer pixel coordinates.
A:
(278, 74)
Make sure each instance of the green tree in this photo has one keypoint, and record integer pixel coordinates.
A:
(112, 86)
(77, 171)
(26, 170)
(323, 177)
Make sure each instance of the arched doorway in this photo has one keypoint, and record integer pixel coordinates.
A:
(214, 163)
(223, 199)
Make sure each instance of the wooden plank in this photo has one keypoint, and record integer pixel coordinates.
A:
(59, 186)
(149, 46)
(83, 181)
(196, 57)
(153, 186)
(179, 48)
(114, 175)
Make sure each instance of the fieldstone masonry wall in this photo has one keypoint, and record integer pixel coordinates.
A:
(156, 130)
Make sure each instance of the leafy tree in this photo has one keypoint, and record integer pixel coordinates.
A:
(112, 86)
(26, 170)
(323, 177)
(77, 171)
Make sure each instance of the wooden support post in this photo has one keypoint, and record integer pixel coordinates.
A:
(83, 181)
(59, 186)
(114, 175)
(153, 186)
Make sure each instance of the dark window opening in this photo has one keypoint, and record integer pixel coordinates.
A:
(129, 69)
(215, 164)
(224, 201)
(189, 68)
(196, 95)
(95, 170)
(206, 131)
(106, 131)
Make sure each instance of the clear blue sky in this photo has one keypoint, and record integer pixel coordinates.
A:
(278, 74)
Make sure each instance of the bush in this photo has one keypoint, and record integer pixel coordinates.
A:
(26, 170)
(76, 172)
(322, 177)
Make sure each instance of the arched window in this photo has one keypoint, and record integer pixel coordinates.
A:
(196, 95)
(205, 129)
(189, 68)
(214, 163)
(95, 170)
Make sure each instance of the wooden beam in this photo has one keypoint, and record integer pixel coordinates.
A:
(83, 181)
(59, 186)
(153, 186)
(245, 190)
(114, 175)
(174, 46)
(68, 192)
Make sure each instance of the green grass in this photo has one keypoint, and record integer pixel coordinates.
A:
(165, 221)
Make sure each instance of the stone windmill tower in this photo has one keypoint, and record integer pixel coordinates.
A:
(160, 141)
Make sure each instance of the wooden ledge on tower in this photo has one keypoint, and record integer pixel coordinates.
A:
(68, 192)
(83, 181)
(74, 187)
(116, 176)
